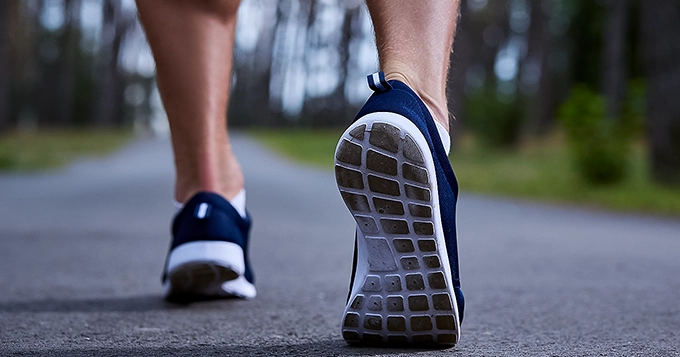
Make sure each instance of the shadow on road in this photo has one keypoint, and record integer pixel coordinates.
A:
(321, 348)
(123, 304)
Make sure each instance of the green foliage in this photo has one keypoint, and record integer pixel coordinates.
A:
(495, 121)
(7, 158)
(600, 145)
(312, 146)
(49, 149)
(536, 170)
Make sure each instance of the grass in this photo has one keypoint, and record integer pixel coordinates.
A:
(51, 149)
(538, 170)
(312, 147)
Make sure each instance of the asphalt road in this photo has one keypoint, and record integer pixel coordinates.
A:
(82, 249)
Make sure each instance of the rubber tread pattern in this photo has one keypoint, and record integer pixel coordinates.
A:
(404, 299)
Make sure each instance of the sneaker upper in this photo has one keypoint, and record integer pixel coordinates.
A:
(209, 217)
(397, 97)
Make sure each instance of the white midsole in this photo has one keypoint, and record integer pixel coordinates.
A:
(240, 287)
(226, 254)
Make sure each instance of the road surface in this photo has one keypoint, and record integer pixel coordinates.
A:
(82, 251)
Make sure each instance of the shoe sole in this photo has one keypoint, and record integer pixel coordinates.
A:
(402, 292)
(199, 271)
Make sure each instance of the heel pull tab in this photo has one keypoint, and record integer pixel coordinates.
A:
(378, 83)
(203, 211)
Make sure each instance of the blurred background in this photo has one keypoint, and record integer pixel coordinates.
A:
(586, 89)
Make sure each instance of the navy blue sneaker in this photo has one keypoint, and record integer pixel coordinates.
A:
(395, 177)
(208, 257)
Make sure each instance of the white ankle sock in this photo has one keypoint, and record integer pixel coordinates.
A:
(444, 135)
(238, 202)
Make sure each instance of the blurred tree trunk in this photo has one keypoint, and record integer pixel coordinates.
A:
(660, 23)
(4, 63)
(342, 114)
(614, 75)
(23, 56)
(111, 84)
(547, 105)
(538, 48)
(279, 63)
(312, 105)
(256, 93)
(331, 110)
(537, 79)
(494, 33)
(68, 62)
(249, 102)
(352, 33)
(459, 63)
(586, 34)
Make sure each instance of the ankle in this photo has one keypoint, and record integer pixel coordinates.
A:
(185, 191)
(433, 97)
(222, 175)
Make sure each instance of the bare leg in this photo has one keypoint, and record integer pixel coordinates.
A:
(414, 43)
(192, 42)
